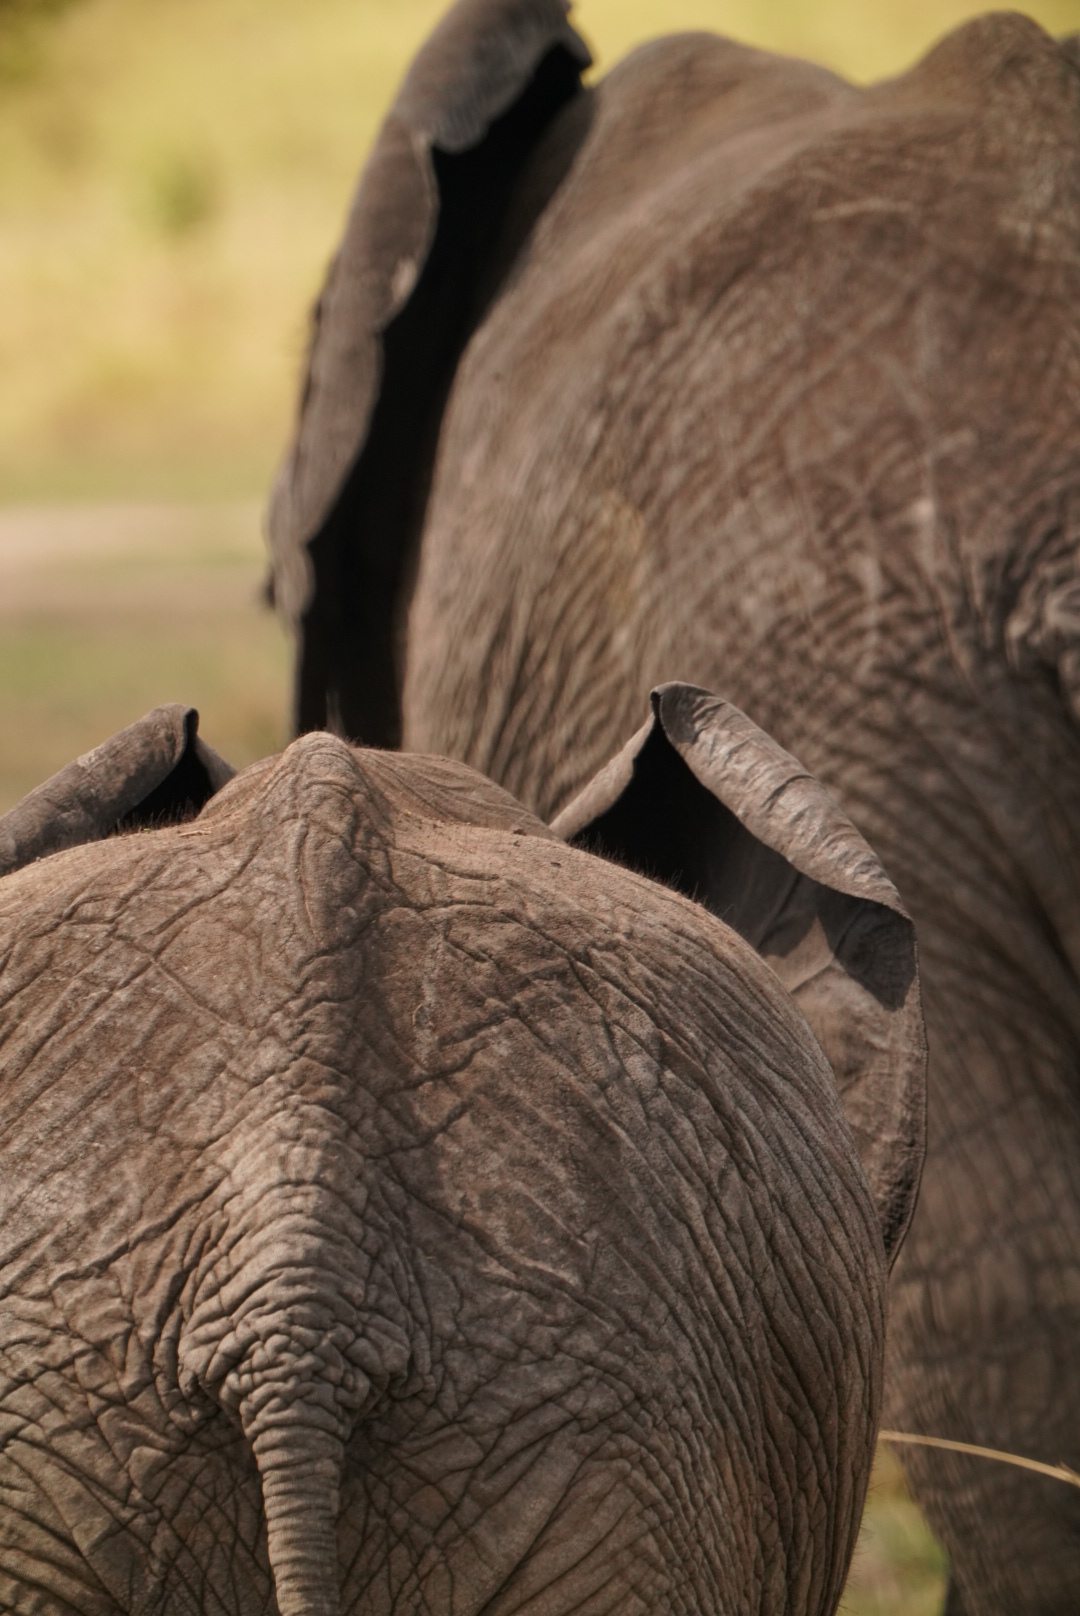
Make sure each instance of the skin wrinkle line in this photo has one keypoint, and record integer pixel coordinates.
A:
(56, 1562)
(90, 894)
(1017, 865)
(50, 1593)
(538, 1446)
(150, 962)
(566, 1571)
(618, 1129)
(686, 1051)
(547, 1280)
(974, 806)
(154, 963)
(101, 1264)
(104, 1500)
(770, 423)
(739, 465)
(162, 1561)
(744, 1270)
(796, 1378)
(942, 760)
(990, 714)
(227, 881)
(48, 1035)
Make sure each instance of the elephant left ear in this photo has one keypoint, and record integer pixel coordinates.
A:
(704, 801)
(158, 771)
(404, 293)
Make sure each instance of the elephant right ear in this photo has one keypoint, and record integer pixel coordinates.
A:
(400, 302)
(703, 800)
(157, 771)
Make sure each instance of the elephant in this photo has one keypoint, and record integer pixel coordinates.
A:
(768, 383)
(409, 1207)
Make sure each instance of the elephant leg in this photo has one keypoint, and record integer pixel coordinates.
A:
(986, 1300)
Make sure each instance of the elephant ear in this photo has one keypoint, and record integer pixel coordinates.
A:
(402, 297)
(703, 800)
(155, 772)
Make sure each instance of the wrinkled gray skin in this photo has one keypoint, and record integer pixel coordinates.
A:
(402, 1210)
(774, 385)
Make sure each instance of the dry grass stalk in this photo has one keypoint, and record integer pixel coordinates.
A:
(1061, 1472)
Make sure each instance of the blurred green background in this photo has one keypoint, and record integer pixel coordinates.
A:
(174, 175)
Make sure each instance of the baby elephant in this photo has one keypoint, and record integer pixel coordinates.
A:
(405, 1209)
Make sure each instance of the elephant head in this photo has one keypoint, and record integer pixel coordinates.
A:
(404, 1208)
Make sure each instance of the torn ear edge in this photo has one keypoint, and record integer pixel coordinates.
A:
(706, 802)
(158, 771)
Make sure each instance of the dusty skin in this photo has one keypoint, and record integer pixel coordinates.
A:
(769, 383)
(62, 573)
(405, 1210)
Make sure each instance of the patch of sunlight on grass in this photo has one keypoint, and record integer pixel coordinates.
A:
(106, 612)
(174, 178)
(898, 1569)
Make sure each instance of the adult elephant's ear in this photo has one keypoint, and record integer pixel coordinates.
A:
(402, 298)
(156, 772)
(702, 799)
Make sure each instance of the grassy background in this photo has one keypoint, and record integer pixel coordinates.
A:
(173, 178)
(898, 1569)
(108, 609)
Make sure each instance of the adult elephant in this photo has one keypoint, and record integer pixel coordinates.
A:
(404, 1211)
(773, 384)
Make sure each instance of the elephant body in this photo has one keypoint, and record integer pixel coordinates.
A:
(774, 388)
(402, 1210)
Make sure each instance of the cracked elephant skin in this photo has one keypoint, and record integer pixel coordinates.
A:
(772, 384)
(404, 1211)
